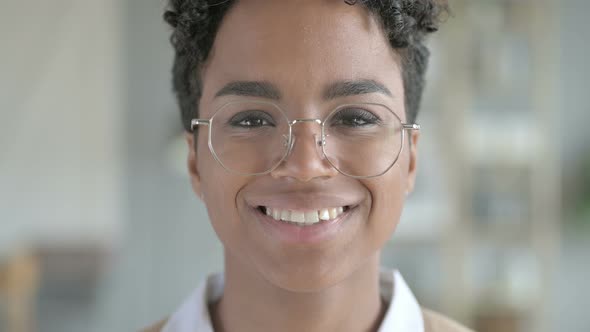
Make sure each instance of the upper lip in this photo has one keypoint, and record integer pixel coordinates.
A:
(301, 201)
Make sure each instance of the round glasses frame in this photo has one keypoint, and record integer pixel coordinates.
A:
(195, 123)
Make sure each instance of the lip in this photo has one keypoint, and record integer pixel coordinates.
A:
(320, 232)
(302, 201)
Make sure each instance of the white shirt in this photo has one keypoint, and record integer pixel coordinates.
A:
(403, 313)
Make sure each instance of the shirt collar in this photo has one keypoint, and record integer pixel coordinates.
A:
(403, 313)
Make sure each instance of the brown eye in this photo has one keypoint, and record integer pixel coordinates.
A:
(354, 117)
(251, 119)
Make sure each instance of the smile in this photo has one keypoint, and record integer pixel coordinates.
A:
(303, 218)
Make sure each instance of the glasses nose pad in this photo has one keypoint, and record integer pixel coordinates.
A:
(288, 144)
(321, 142)
(319, 139)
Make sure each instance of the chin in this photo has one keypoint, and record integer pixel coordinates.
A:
(308, 277)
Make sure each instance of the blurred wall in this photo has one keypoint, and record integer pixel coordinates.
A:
(575, 52)
(60, 130)
(169, 245)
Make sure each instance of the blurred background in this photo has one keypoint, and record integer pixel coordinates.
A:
(100, 231)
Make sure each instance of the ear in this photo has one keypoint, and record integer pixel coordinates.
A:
(414, 138)
(193, 170)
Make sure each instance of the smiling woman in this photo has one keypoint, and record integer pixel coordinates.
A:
(310, 151)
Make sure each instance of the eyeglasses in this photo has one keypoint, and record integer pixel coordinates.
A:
(254, 137)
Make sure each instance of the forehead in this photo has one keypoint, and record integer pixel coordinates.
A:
(300, 46)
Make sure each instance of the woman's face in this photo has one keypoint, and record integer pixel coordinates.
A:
(300, 49)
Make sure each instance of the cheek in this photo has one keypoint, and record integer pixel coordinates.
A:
(219, 189)
(388, 196)
(220, 193)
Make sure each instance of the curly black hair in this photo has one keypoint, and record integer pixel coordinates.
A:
(195, 24)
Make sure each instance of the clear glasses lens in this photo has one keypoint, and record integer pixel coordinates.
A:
(249, 137)
(361, 140)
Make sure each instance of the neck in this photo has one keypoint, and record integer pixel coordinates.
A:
(251, 303)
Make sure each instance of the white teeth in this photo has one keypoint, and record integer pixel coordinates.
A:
(311, 217)
(333, 213)
(304, 217)
(286, 215)
(297, 216)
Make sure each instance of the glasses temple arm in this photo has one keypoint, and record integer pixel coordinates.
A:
(412, 126)
(199, 122)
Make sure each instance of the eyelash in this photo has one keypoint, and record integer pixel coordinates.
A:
(350, 117)
(238, 119)
(354, 114)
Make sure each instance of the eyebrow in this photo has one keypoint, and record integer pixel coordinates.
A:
(335, 90)
(353, 88)
(251, 89)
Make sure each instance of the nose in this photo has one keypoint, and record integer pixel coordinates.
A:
(305, 160)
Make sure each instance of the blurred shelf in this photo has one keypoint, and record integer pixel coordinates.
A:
(500, 102)
(502, 234)
(501, 140)
(19, 282)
